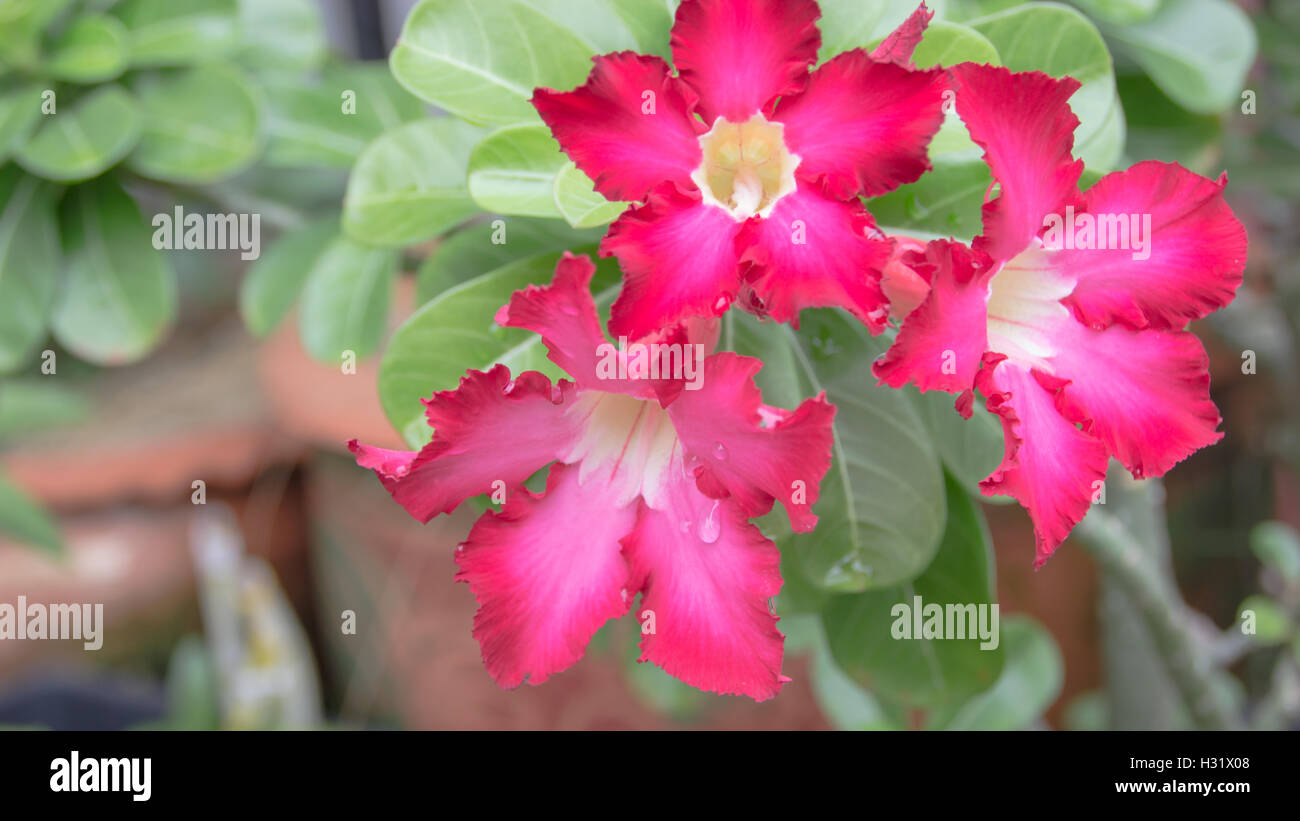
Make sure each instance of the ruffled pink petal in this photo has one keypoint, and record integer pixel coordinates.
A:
(897, 48)
(706, 576)
(862, 126)
(720, 428)
(626, 141)
(1050, 466)
(942, 342)
(1196, 250)
(739, 56)
(679, 259)
(813, 251)
(902, 285)
(491, 428)
(547, 572)
(1147, 393)
(1026, 128)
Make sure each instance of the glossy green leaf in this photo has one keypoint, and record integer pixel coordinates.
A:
(1118, 11)
(282, 35)
(23, 520)
(513, 170)
(409, 184)
(868, 632)
(482, 247)
(456, 331)
(1270, 622)
(118, 294)
(273, 283)
(91, 50)
(1060, 41)
(1197, 51)
(20, 109)
(21, 25)
(882, 501)
(1277, 545)
(944, 202)
(843, 701)
(971, 449)
(82, 141)
(345, 301)
(175, 33)
(578, 202)
(38, 403)
(482, 59)
(1030, 681)
(29, 263)
(200, 125)
(330, 123)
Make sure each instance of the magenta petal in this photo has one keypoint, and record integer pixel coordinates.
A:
(1195, 252)
(1026, 127)
(547, 572)
(626, 141)
(739, 56)
(491, 428)
(706, 576)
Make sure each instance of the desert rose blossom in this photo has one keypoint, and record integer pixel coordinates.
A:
(650, 491)
(1068, 314)
(748, 165)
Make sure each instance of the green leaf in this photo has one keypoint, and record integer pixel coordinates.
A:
(482, 59)
(20, 108)
(1060, 41)
(1030, 681)
(578, 202)
(882, 501)
(944, 202)
(282, 35)
(192, 701)
(83, 142)
(91, 50)
(38, 404)
(1277, 545)
(329, 124)
(1271, 622)
(345, 301)
(972, 448)
(21, 24)
(920, 672)
(1118, 11)
(409, 184)
(200, 125)
(844, 703)
(484, 246)
(849, 24)
(1197, 51)
(947, 44)
(172, 33)
(455, 331)
(513, 171)
(119, 294)
(23, 520)
(273, 283)
(29, 263)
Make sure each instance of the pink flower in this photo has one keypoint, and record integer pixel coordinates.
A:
(651, 488)
(749, 166)
(1075, 337)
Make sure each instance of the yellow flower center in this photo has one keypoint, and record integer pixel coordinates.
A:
(746, 166)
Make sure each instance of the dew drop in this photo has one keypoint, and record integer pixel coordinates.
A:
(557, 395)
(719, 451)
(721, 303)
(509, 388)
(686, 526)
(711, 525)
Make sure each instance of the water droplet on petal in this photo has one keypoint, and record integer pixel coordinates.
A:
(557, 395)
(719, 451)
(509, 388)
(721, 303)
(711, 525)
(623, 593)
(686, 526)
(460, 548)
